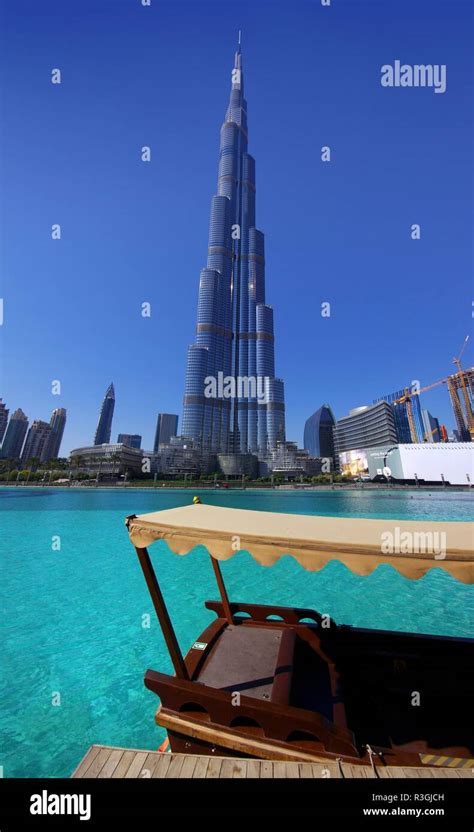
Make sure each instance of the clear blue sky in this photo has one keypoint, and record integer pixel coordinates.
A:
(135, 232)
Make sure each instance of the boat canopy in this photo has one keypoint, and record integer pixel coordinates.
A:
(411, 547)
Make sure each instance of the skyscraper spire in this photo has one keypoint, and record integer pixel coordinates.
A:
(234, 337)
(104, 425)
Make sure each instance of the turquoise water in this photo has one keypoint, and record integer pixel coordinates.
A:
(72, 621)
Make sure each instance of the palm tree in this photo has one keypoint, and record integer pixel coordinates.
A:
(50, 466)
(74, 462)
(97, 479)
(115, 458)
(8, 467)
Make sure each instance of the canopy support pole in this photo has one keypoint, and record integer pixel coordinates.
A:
(222, 589)
(162, 613)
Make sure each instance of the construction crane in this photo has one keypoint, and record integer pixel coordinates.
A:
(457, 361)
(406, 400)
(430, 434)
(462, 380)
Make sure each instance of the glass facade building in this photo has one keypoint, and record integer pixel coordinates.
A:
(166, 427)
(57, 423)
(319, 433)
(133, 440)
(3, 419)
(400, 414)
(432, 430)
(234, 335)
(366, 427)
(37, 442)
(15, 435)
(104, 425)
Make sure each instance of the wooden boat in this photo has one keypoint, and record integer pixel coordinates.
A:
(286, 683)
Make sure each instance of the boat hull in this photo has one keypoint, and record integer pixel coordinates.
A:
(287, 684)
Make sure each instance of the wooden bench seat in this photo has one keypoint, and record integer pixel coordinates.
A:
(253, 661)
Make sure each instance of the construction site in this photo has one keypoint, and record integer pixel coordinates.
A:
(461, 392)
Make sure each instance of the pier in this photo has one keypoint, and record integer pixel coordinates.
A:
(103, 761)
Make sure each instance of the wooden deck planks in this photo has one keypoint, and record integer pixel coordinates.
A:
(86, 761)
(109, 762)
(162, 766)
(97, 763)
(202, 764)
(137, 764)
(124, 764)
(253, 768)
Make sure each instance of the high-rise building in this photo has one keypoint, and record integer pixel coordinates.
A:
(37, 442)
(431, 428)
(402, 422)
(233, 402)
(57, 423)
(319, 433)
(133, 440)
(3, 419)
(166, 427)
(366, 427)
(104, 425)
(461, 392)
(15, 435)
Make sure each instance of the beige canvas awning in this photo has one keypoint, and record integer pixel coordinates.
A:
(412, 548)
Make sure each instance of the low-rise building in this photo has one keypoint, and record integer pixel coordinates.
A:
(427, 462)
(181, 457)
(238, 465)
(107, 460)
(292, 463)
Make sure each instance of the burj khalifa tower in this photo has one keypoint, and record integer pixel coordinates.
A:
(244, 410)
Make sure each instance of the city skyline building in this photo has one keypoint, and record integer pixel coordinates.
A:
(37, 442)
(234, 335)
(57, 423)
(133, 440)
(4, 411)
(319, 433)
(180, 456)
(166, 427)
(432, 430)
(15, 435)
(104, 425)
(107, 460)
(365, 427)
(400, 413)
